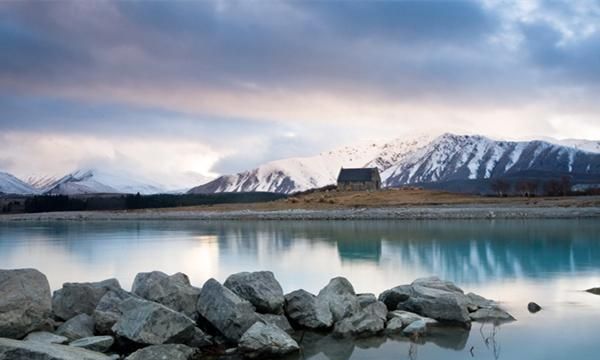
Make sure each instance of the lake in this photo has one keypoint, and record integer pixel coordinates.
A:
(550, 262)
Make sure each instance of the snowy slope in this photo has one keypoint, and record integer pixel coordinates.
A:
(452, 157)
(584, 145)
(421, 160)
(92, 181)
(43, 182)
(298, 174)
(11, 185)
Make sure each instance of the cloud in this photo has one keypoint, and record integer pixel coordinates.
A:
(234, 77)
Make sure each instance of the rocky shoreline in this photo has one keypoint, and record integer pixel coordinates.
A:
(248, 316)
(442, 212)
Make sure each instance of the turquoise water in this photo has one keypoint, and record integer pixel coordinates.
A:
(547, 261)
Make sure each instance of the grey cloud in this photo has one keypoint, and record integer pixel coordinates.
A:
(404, 48)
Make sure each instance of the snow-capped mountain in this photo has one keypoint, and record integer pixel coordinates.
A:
(423, 160)
(43, 182)
(303, 173)
(92, 181)
(11, 185)
(451, 157)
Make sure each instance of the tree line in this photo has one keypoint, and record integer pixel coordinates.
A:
(536, 187)
(50, 203)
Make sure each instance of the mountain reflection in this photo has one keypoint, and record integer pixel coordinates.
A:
(461, 251)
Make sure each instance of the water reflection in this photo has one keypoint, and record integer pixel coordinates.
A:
(467, 252)
(514, 261)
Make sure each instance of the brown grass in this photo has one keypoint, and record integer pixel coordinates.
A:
(325, 200)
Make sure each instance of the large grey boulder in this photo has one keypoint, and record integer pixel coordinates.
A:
(265, 341)
(80, 298)
(34, 350)
(108, 312)
(433, 282)
(443, 301)
(80, 326)
(150, 323)
(228, 313)
(365, 300)
(164, 352)
(477, 302)
(392, 297)
(430, 297)
(46, 337)
(495, 315)
(173, 291)
(280, 320)
(398, 320)
(367, 322)
(259, 288)
(340, 296)
(25, 302)
(306, 310)
(416, 328)
(94, 343)
(486, 310)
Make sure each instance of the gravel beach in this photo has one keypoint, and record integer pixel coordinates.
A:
(395, 213)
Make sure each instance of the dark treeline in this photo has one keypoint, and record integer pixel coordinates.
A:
(538, 187)
(49, 203)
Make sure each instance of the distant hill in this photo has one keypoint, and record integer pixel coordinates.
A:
(11, 185)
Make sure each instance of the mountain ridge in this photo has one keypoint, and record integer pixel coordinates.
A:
(426, 160)
(422, 160)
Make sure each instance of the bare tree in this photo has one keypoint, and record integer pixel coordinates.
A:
(527, 188)
(565, 185)
(500, 187)
(552, 187)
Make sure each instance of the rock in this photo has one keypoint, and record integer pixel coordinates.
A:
(280, 320)
(433, 282)
(340, 296)
(533, 307)
(150, 323)
(173, 291)
(306, 310)
(367, 322)
(94, 343)
(266, 340)
(231, 315)
(378, 309)
(595, 291)
(365, 299)
(14, 349)
(392, 297)
(394, 325)
(398, 320)
(80, 298)
(25, 302)
(477, 302)
(416, 328)
(491, 314)
(199, 339)
(164, 352)
(81, 326)
(259, 288)
(437, 299)
(107, 313)
(46, 337)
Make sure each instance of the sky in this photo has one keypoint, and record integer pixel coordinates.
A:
(182, 91)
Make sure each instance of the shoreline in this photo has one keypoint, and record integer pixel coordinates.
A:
(441, 212)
